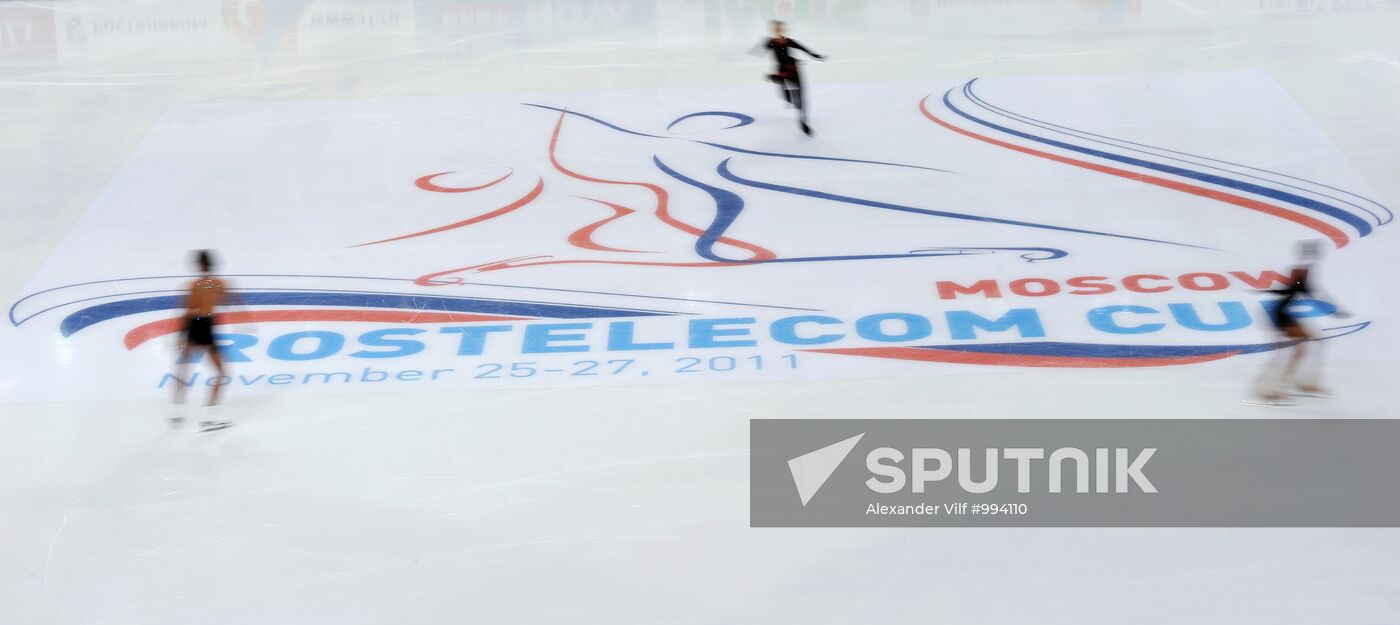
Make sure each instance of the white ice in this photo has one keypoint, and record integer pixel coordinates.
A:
(617, 504)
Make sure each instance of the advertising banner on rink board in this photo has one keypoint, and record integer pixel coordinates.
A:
(577, 238)
(1074, 473)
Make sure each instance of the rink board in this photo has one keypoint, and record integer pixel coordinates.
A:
(508, 240)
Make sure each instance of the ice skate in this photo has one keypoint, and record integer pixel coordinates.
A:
(211, 426)
(1312, 391)
(212, 422)
(1269, 400)
(177, 416)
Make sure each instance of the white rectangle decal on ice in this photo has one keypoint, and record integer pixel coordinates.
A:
(579, 238)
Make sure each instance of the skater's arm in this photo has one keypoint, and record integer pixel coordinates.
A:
(1323, 296)
(1308, 289)
(190, 300)
(792, 43)
(230, 296)
(758, 48)
(1312, 294)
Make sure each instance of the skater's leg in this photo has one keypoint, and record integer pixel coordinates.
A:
(778, 80)
(1309, 378)
(182, 365)
(1269, 385)
(211, 421)
(799, 102)
(795, 88)
(218, 361)
(1290, 369)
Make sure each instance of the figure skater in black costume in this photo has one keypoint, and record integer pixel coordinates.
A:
(202, 297)
(1272, 389)
(787, 77)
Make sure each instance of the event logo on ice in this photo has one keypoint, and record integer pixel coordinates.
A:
(590, 237)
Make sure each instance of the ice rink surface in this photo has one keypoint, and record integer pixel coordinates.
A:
(298, 137)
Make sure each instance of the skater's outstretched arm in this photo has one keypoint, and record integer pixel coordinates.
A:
(1319, 294)
(792, 43)
(231, 297)
(1310, 292)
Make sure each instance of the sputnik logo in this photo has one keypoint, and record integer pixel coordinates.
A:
(811, 470)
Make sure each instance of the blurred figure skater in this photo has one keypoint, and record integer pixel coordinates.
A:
(787, 77)
(1273, 387)
(205, 294)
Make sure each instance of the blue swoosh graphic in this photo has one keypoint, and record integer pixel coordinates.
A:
(742, 119)
(728, 205)
(732, 177)
(102, 312)
(730, 147)
(1361, 226)
(1124, 144)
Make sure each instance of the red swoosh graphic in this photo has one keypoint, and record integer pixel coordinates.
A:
(145, 332)
(662, 198)
(583, 237)
(426, 183)
(1018, 360)
(523, 200)
(439, 279)
(1337, 236)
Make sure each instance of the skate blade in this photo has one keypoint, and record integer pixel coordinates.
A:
(1265, 403)
(1312, 395)
(214, 427)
